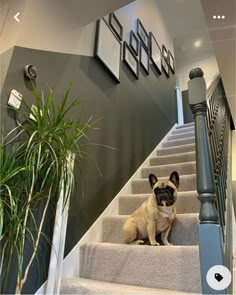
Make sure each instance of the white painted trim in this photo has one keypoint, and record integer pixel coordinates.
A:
(179, 99)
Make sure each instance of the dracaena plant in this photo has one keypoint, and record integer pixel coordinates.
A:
(46, 144)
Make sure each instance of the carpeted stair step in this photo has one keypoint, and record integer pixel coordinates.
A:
(185, 125)
(142, 186)
(183, 232)
(172, 267)
(90, 287)
(163, 170)
(187, 202)
(181, 135)
(176, 149)
(173, 159)
(183, 130)
(179, 142)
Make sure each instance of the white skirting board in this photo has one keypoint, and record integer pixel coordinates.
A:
(70, 267)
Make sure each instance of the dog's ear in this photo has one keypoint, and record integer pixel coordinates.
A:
(174, 178)
(152, 179)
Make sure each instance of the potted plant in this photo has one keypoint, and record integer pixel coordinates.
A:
(46, 141)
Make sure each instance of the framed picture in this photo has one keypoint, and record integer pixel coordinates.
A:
(131, 60)
(171, 62)
(134, 42)
(155, 53)
(108, 48)
(165, 53)
(143, 35)
(165, 66)
(144, 58)
(116, 26)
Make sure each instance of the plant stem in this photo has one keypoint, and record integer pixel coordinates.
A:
(2, 259)
(36, 243)
(20, 259)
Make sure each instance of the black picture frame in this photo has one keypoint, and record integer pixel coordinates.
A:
(155, 53)
(165, 66)
(171, 62)
(165, 53)
(108, 48)
(131, 59)
(142, 33)
(134, 42)
(116, 25)
(144, 58)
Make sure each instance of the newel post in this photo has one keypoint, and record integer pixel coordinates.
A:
(209, 231)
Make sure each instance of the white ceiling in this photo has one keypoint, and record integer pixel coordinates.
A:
(186, 23)
(191, 20)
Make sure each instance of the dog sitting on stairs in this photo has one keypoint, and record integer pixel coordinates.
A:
(155, 216)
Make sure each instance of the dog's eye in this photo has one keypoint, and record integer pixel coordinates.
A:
(157, 190)
(170, 189)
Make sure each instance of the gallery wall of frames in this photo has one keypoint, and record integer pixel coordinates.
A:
(141, 50)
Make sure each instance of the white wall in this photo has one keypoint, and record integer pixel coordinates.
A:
(151, 18)
(209, 66)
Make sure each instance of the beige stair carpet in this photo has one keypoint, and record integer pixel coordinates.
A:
(112, 267)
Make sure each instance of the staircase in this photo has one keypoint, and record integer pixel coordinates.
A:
(112, 267)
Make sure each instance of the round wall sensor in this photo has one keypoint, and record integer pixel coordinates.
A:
(30, 72)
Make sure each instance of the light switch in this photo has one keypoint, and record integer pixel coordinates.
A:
(15, 99)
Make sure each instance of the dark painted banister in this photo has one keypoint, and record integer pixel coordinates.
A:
(209, 230)
(205, 174)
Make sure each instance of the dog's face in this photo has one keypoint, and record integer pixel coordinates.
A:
(165, 192)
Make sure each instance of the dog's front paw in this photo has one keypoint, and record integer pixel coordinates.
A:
(168, 244)
(154, 243)
(139, 242)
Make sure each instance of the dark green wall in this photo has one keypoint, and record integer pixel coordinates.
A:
(135, 116)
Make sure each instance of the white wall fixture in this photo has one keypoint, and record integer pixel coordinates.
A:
(15, 99)
(33, 111)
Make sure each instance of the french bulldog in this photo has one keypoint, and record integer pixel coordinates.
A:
(155, 216)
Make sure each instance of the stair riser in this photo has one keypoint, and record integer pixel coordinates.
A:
(187, 125)
(175, 268)
(181, 136)
(180, 158)
(187, 183)
(179, 142)
(184, 204)
(183, 130)
(176, 150)
(159, 171)
(183, 232)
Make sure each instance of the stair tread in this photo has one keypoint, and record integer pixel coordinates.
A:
(149, 194)
(181, 139)
(172, 165)
(88, 286)
(174, 155)
(179, 142)
(139, 265)
(185, 125)
(163, 170)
